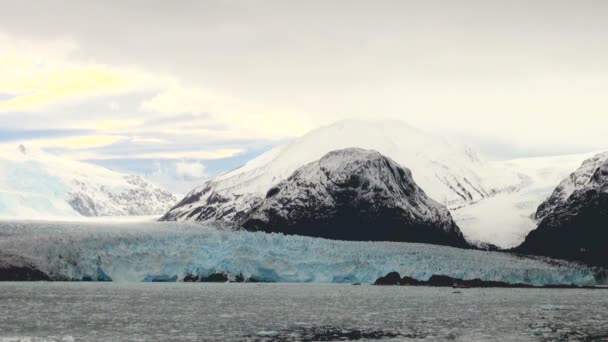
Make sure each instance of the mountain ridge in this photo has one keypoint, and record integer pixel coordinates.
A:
(353, 194)
(37, 184)
(452, 174)
(573, 222)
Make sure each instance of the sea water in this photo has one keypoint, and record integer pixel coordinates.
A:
(296, 312)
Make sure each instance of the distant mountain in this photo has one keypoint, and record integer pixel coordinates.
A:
(353, 194)
(449, 173)
(573, 222)
(37, 185)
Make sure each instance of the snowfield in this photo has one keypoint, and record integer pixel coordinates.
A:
(165, 250)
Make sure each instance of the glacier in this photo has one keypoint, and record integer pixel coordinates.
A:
(145, 251)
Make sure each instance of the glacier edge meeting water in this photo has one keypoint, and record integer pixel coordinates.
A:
(136, 252)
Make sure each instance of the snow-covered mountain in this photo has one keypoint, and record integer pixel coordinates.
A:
(449, 173)
(574, 220)
(586, 176)
(35, 184)
(353, 194)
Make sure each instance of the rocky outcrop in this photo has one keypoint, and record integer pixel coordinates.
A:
(15, 268)
(218, 277)
(574, 221)
(354, 194)
(393, 278)
(210, 278)
(579, 179)
(22, 273)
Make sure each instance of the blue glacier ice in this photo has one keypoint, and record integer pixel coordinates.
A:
(27, 188)
(153, 251)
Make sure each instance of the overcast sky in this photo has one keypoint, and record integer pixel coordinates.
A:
(209, 83)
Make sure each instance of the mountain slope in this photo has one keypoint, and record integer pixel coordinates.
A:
(574, 220)
(505, 219)
(449, 173)
(582, 178)
(354, 194)
(35, 184)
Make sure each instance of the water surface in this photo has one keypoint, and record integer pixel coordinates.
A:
(295, 312)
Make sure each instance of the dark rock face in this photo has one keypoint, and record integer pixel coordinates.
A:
(583, 177)
(19, 268)
(22, 273)
(219, 278)
(206, 205)
(574, 228)
(210, 278)
(354, 194)
(393, 278)
(331, 333)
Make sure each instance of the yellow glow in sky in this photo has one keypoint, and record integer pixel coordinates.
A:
(107, 125)
(78, 142)
(35, 85)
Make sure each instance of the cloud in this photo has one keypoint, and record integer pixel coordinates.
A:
(108, 125)
(11, 134)
(190, 170)
(163, 171)
(488, 70)
(165, 153)
(179, 99)
(196, 154)
(63, 93)
(35, 84)
(235, 116)
(73, 142)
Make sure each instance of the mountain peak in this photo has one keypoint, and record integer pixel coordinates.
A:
(354, 194)
(449, 173)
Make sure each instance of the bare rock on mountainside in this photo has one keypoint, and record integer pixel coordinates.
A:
(574, 220)
(354, 194)
(450, 173)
